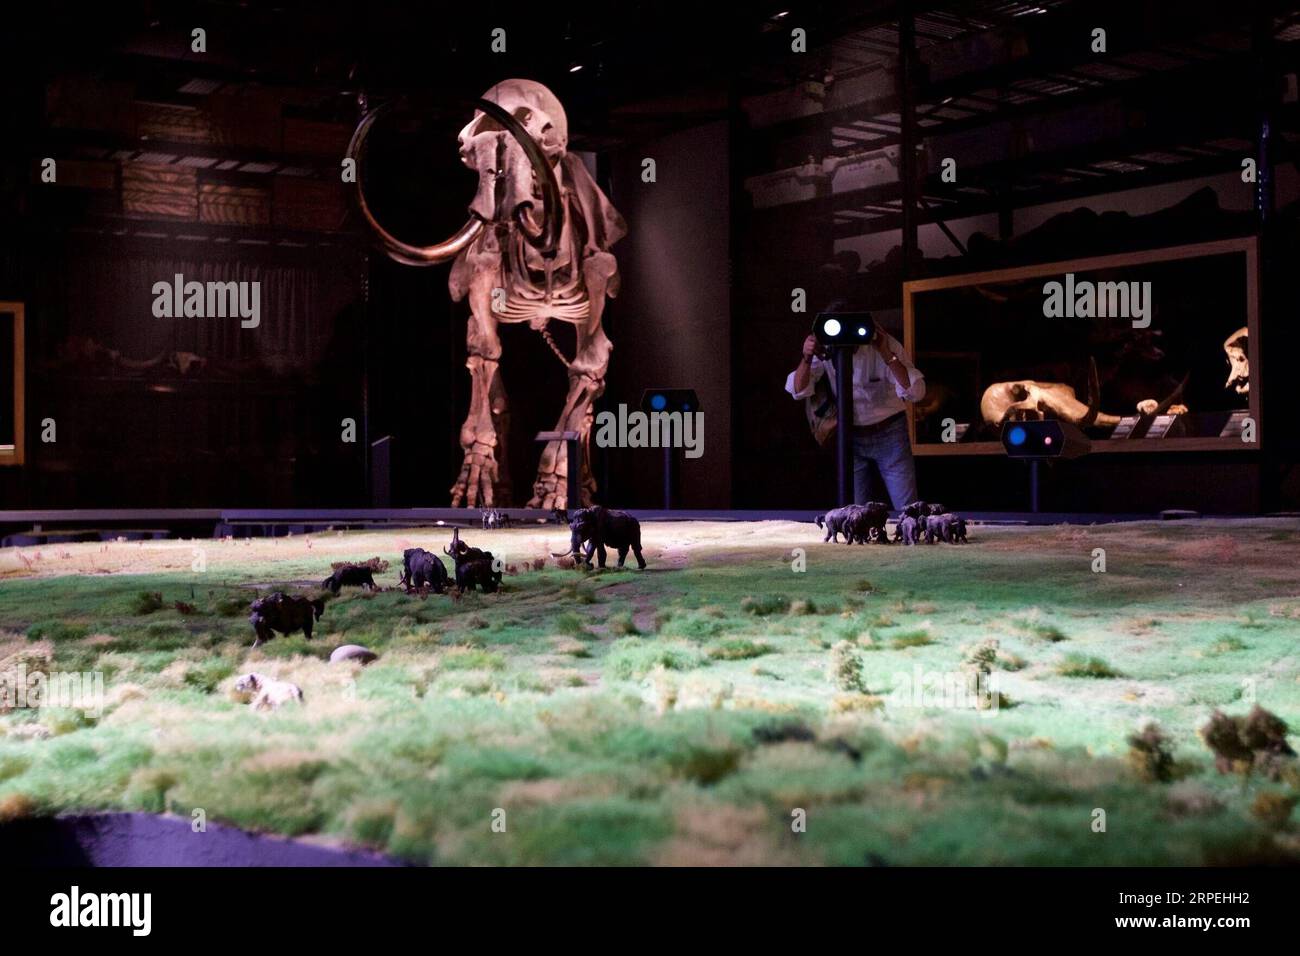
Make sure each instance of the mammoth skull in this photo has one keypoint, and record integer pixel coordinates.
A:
(517, 137)
(511, 186)
(1237, 348)
(1027, 400)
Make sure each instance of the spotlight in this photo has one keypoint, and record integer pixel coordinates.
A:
(843, 329)
(1044, 439)
(575, 67)
(670, 400)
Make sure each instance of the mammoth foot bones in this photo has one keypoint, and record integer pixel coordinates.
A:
(474, 488)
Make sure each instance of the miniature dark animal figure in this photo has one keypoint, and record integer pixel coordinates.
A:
(917, 509)
(561, 515)
(475, 568)
(598, 528)
(285, 614)
(936, 509)
(937, 528)
(493, 519)
(908, 530)
(868, 523)
(423, 569)
(350, 575)
(1255, 742)
(837, 522)
(477, 573)
(946, 527)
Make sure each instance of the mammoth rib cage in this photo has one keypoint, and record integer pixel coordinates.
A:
(515, 310)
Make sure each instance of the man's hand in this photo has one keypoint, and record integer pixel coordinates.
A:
(803, 373)
(892, 361)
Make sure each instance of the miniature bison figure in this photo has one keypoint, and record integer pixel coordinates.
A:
(867, 523)
(350, 575)
(423, 569)
(285, 614)
(598, 528)
(475, 568)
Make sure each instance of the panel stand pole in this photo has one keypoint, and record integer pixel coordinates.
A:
(844, 424)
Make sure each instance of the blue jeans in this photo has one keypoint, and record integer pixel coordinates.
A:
(891, 450)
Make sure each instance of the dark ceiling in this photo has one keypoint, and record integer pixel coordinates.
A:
(624, 67)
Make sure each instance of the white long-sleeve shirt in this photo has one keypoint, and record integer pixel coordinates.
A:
(876, 393)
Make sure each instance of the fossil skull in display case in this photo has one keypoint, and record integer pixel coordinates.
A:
(534, 249)
(1237, 348)
(1028, 400)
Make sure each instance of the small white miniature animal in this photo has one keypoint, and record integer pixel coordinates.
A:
(268, 693)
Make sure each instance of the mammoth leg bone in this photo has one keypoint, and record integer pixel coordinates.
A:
(550, 490)
(586, 384)
(484, 471)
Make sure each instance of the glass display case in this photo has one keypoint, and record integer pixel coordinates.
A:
(12, 438)
(1145, 351)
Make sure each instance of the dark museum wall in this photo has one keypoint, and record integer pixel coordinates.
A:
(671, 324)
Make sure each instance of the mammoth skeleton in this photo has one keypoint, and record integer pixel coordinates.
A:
(535, 249)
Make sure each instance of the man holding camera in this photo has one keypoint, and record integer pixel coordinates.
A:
(884, 381)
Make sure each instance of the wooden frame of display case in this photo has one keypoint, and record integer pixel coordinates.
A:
(1247, 246)
(15, 454)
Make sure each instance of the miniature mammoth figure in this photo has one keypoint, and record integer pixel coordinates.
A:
(908, 530)
(423, 569)
(868, 523)
(598, 527)
(836, 522)
(475, 568)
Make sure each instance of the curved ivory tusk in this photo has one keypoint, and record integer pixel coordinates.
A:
(397, 250)
(547, 239)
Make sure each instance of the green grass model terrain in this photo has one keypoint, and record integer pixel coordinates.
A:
(737, 702)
